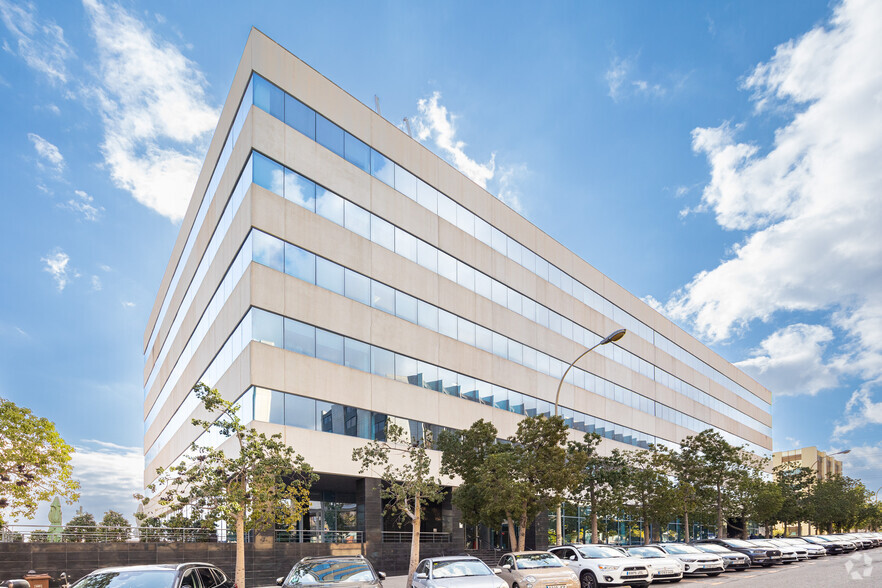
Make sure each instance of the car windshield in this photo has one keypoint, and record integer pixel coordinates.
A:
(129, 579)
(647, 552)
(327, 571)
(711, 548)
(459, 567)
(763, 544)
(738, 543)
(530, 561)
(678, 549)
(598, 552)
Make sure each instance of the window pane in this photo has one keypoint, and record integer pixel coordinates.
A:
(405, 244)
(269, 98)
(382, 168)
(467, 388)
(299, 412)
(446, 208)
(382, 233)
(427, 256)
(406, 370)
(500, 293)
(446, 266)
(268, 250)
(382, 297)
(500, 397)
(515, 402)
(447, 324)
(427, 315)
(405, 182)
(449, 382)
(328, 346)
(266, 327)
(329, 135)
(515, 352)
(485, 392)
(465, 220)
(269, 406)
(357, 152)
(483, 285)
(357, 287)
(358, 355)
(299, 338)
(268, 174)
(299, 116)
(329, 417)
(483, 338)
(498, 240)
(427, 196)
(465, 331)
(500, 346)
(329, 205)
(299, 263)
(465, 276)
(382, 362)
(329, 275)
(299, 190)
(358, 220)
(483, 231)
(405, 307)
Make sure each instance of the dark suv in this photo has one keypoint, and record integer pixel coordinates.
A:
(759, 556)
(346, 570)
(194, 575)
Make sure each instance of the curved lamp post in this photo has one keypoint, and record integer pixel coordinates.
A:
(611, 338)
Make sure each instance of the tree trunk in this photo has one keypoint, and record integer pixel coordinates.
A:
(414, 540)
(522, 533)
(646, 530)
(240, 549)
(594, 538)
(512, 535)
(721, 532)
(686, 525)
(798, 529)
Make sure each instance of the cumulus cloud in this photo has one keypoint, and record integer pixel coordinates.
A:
(82, 204)
(621, 82)
(791, 361)
(152, 99)
(51, 158)
(809, 202)
(96, 283)
(615, 76)
(57, 264)
(860, 411)
(109, 474)
(40, 45)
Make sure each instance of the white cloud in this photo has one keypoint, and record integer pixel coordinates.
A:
(436, 123)
(96, 283)
(863, 462)
(621, 82)
(791, 361)
(809, 202)
(82, 205)
(109, 474)
(508, 185)
(40, 45)
(153, 104)
(859, 412)
(58, 265)
(128, 304)
(793, 443)
(50, 157)
(615, 76)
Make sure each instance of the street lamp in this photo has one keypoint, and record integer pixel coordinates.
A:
(611, 338)
(817, 475)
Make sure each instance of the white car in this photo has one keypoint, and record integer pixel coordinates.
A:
(600, 565)
(664, 568)
(694, 560)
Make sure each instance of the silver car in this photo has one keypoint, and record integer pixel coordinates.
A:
(456, 572)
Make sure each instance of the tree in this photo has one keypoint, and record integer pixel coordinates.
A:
(114, 527)
(404, 467)
(797, 485)
(39, 536)
(80, 528)
(260, 482)
(649, 489)
(689, 471)
(34, 462)
(601, 481)
(838, 503)
(514, 480)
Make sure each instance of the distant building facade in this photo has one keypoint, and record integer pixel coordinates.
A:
(809, 457)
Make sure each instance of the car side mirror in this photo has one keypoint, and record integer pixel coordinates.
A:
(186, 586)
(499, 571)
(381, 575)
(506, 567)
(572, 558)
(422, 576)
(279, 581)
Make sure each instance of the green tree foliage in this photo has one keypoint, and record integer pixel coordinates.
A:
(650, 490)
(256, 483)
(837, 503)
(601, 482)
(34, 463)
(690, 473)
(114, 527)
(404, 466)
(755, 499)
(81, 528)
(39, 536)
(513, 480)
(797, 485)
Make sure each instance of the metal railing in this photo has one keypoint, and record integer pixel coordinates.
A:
(301, 536)
(99, 534)
(425, 537)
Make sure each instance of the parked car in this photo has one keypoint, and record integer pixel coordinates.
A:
(456, 572)
(759, 556)
(732, 560)
(344, 570)
(813, 550)
(601, 565)
(536, 569)
(847, 546)
(830, 547)
(194, 575)
(663, 567)
(789, 554)
(695, 561)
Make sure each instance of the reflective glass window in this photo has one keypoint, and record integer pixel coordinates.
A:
(500, 293)
(498, 241)
(405, 307)
(299, 263)
(357, 152)
(382, 168)
(542, 268)
(405, 182)
(427, 196)
(382, 362)
(465, 331)
(382, 233)
(358, 220)
(530, 357)
(267, 250)
(299, 412)
(328, 135)
(514, 301)
(483, 285)
(329, 417)
(269, 406)
(427, 315)
(500, 346)
(515, 351)
(299, 116)
(468, 389)
(529, 405)
(465, 220)
(357, 355)
(431, 379)
(268, 174)
(299, 337)
(514, 250)
(449, 382)
(483, 338)
(446, 266)
(329, 346)
(382, 297)
(528, 308)
(500, 397)
(266, 327)
(483, 231)
(515, 402)
(357, 287)
(485, 392)
(329, 205)
(446, 208)
(329, 275)
(269, 98)
(299, 190)
(465, 276)
(427, 256)
(405, 244)
(447, 324)
(406, 370)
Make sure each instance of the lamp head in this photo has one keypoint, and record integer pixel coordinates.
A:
(613, 337)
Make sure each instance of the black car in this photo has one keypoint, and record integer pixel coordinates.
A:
(759, 556)
(194, 575)
(733, 560)
(832, 548)
(347, 570)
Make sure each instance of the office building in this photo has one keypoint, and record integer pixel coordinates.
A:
(809, 457)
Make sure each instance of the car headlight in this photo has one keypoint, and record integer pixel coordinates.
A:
(689, 559)
(607, 567)
(530, 579)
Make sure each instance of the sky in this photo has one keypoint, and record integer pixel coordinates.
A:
(720, 160)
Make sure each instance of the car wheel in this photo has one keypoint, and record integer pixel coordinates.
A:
(515, 585)
(588, 580)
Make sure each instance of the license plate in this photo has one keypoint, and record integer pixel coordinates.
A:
(633, 573)
(555, 586)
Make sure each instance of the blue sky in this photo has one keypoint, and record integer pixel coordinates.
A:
(718, 159)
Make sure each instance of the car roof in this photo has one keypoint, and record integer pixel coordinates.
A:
(453, 558)
(524, 553)
(153, 567)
